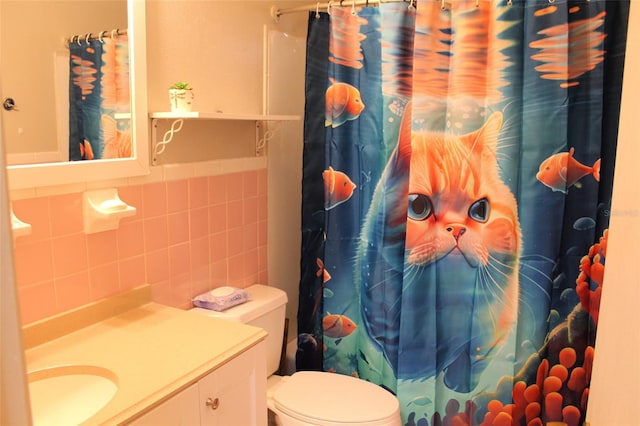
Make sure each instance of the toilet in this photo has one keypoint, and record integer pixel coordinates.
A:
(308, 397)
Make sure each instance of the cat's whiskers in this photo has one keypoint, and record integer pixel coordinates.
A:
(481, 252)
(381, 282)
(411, 271)
(504, 269)
(491, 284)
(492, 291)
(502, 154)
(535, 282)
(538, 270)
(523, 278)
(417, 254)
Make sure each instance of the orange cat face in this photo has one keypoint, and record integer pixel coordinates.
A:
(457, 201)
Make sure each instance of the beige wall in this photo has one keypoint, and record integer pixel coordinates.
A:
(615, 385)
(225, 49)
(219, 48)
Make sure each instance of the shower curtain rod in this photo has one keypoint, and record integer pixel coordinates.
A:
(324, 6)
(98, 36)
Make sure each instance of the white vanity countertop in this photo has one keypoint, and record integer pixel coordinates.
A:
(154, 350)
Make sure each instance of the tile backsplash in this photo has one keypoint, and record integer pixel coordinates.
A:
(189, 235)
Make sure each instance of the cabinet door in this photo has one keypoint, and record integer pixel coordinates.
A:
(180, 410)
(235, 394)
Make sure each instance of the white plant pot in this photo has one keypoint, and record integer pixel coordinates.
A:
(181, 100)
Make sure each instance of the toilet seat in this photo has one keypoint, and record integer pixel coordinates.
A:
(321, 398)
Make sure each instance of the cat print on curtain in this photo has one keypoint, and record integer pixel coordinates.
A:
(458, 167)
(99, 104)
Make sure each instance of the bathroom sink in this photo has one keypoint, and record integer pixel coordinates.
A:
(70, 394)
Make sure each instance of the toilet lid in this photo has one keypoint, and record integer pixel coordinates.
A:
(317, 397)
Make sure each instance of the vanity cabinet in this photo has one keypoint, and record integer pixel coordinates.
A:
(182, 409)
(233, 394)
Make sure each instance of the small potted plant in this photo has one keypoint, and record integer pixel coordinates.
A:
(180, 96)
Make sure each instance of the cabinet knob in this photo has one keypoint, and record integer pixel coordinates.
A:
(213, 403)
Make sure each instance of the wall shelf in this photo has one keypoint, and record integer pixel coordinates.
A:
(221, 116)
(158, 146)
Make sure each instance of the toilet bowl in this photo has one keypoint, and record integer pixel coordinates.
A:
(325, 399)
(308, 397)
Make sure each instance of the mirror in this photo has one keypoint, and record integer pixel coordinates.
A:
(47, 117)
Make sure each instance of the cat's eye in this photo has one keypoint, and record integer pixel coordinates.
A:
(420, 207)
(479, 211)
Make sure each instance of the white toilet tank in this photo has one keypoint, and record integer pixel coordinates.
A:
(265, 309)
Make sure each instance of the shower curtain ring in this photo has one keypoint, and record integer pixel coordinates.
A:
(87, 37)
(101, 36)
(353, 8)
(442, 5)
(329, 7)
(477, 3)
(78, 40)
(114, 33)
(318, 10)
(510, 3)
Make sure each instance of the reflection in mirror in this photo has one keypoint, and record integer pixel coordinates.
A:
(98, 108)
(48, 124)
(38, 75)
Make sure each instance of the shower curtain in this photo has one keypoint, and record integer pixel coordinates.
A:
(99, 106)
(457, 175)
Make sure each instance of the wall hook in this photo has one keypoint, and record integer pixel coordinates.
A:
(9, 104)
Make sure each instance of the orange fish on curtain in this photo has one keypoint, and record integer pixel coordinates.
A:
(561, 171)
(337, 326)
(343, 103)
(338, 188)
